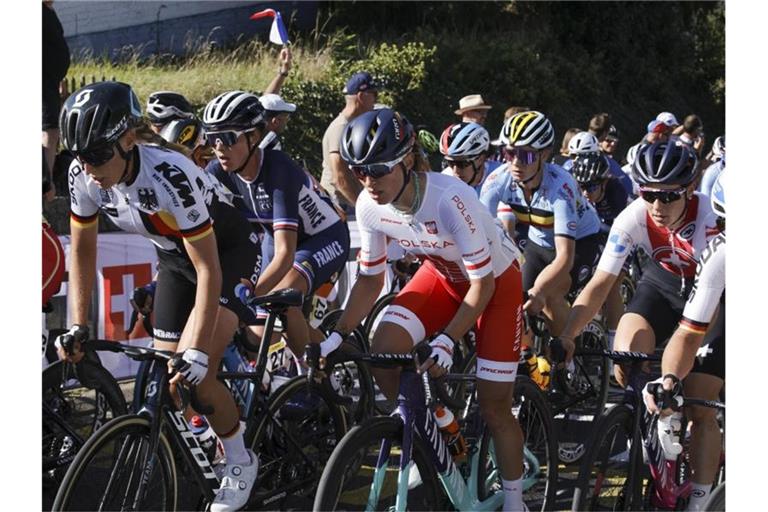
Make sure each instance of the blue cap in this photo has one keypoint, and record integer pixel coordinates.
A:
(361, 81)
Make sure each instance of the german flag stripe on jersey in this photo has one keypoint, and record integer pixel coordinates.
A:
(84, 222)
(198, 232)
(693, 326)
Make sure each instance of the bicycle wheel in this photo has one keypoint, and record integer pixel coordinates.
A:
(716, 501)
(602, 481)
(350, 480)
(106, 472)
(72, 415)
(294, 438)
(539, 452)
(374, 317)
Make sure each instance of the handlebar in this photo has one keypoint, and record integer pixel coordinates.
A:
(557, 353)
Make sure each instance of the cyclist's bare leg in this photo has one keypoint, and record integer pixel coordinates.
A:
(706, 438)
(496, 400)
(556, 307)
(635, 334)
(390, 338)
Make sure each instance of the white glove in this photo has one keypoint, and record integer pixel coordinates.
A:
(331, 343)
(192, 365)
(442, 350)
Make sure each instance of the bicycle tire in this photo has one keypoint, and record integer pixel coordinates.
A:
(58, 447)
(716, 501)
(604, 463)
(86, 473)
(535, 419)
(372, 320)
(352, 455)
(293, 444)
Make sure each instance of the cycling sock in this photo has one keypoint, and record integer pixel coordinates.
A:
(234, 447)
(699, 496)
(513, 494)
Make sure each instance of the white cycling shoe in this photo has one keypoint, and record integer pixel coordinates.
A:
(236, 486)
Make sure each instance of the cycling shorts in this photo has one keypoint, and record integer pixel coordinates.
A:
(587, 255)
(177, 285)
(661, 310)
(53, 263)
(429, 302)
(319, 259)
(710, 358)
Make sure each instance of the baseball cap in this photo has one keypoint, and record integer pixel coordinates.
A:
(275, 103)
(657, 126)
(361, 81)
(668, 118)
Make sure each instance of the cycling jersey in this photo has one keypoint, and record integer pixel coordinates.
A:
(557, 207)
(710, 175)
(169, 199)
(708, 287)
(282, 196)
(613, 202)
(451, 229)
(616, 172)
(675, 252)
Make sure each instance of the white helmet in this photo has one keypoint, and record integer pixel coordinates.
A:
(583, 142)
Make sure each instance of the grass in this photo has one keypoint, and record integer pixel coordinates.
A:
(206, 73)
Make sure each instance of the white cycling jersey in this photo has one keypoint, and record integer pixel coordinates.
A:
(169, 199)
(708, 287)
(451, 228)
(676, 252)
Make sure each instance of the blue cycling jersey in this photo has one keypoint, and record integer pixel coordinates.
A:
(557, 207)
(283, 196)
(613, 202)
(616, 172)
(710, 175)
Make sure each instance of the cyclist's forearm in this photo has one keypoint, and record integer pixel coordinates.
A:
(588, 303)
(360, 301)
(82, 272)
(680, 352)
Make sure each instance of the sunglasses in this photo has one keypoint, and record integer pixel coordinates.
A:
(97, 156)
(227, 138)
(459, 164)
(591, 186)
(525, 156)
(375, 171)
(665, 196)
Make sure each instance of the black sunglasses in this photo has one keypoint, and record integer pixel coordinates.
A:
(665, 196)
(459, 164)
(96, 157)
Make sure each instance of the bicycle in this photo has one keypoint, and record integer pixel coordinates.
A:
(372, 467)
(607, 479)
(70, 417)
(134, 461)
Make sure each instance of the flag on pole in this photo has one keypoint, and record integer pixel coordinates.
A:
(277, 34)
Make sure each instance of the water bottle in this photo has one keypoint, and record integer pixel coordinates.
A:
(449, 427)
(532, 364)
(669, 435)
(207, 438)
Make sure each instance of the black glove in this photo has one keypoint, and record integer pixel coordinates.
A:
(143, 297)
(76, 333)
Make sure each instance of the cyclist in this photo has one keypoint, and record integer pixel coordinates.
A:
(583, 143)
(672, 224)
(609, 198)
(714, 170)
(306, 243)
(166, 106)
(464, 147)
(188, 133)
(610, 143)
(204, 246)
(469, 275)
(696, 353)
(564, 240)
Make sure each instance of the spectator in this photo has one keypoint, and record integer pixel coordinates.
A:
(691, 132)
(361, 92)
(599, 125)
(473, 109)
(658, 131)
(515, 110)
(283, 68)
(276, 114)
(669, 119)
(564, 154)
(610, 143)
(55, 67)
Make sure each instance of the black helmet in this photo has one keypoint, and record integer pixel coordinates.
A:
(165, 106)
(186, 132)
(95, 116)
(233, 110)
(590, 167)
(665, 163)
(377, 136)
